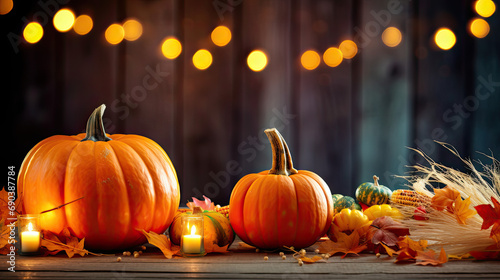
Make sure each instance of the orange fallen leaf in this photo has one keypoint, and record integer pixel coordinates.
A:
(347, 244)
(311, 260)
(444, 198)
(68, 243)
(430, 257)
(388, 250)
(162, 242)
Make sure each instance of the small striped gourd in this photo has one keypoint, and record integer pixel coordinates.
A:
(372, 193)
(346, 202)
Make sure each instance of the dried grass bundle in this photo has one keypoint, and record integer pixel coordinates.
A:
(441, 228)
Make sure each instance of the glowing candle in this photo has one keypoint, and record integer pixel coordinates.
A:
(191, 243)
(30, 240)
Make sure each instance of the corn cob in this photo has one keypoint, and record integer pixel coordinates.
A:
(410, 198)
(223, 210)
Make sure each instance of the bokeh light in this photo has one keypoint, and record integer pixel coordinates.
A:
(6, 6)
(485, 8)
(479, 28)
(132, 29)
(310, 60)
(257, 60)
(33, 32)
(171, 48)
(202, 59)
(114, 34)
(391, 37)
(332, 57)
(445, 38)
(83, 24)
(221, 36)
(348, 48)
(64, 20)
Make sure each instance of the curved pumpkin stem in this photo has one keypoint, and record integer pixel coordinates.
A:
(375, 180)
(282, 159)
(95, 127)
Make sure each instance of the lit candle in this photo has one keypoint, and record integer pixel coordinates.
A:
(191, 243)
(30, 240)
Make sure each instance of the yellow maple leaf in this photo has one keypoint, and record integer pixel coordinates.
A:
(70, 244)
(347, 244)
(462, 211)
(162, 242)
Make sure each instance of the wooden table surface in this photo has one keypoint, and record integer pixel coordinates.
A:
(239, 263)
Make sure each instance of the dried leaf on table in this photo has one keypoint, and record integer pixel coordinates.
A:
(162, 242)
(388, 250)
(4, 237)
(444, 198)
(68, 243)
(430, 257)
(386, 230)
(347, 244)
(310, 260)
(214, 248)
(462, 211)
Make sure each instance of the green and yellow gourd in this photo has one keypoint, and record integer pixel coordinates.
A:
(346, 202)
(372, 193)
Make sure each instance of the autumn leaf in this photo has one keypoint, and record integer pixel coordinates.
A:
(347, 244)
(162, 242)
(408, 249)
(491, 217)
(214, 248)
(309, 260)
(430, 257)
(68, 243)
(444, 198)
(388, 250)
(462, 211)
(386, 230)
(206, 204)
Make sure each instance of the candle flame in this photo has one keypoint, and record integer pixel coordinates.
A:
(193, 230)
(30, 227)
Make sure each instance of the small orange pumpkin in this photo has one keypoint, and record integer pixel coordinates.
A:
(282, 206)
(126, 182)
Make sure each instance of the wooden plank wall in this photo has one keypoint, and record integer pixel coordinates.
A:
(345, 123)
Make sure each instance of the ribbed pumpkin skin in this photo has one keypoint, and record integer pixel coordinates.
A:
(271, 211)
(216, 228)
(370, 194)
(128, 183)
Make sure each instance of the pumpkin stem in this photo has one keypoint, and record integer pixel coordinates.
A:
(375, 180)
(95, 127)
(282, 159)
(197, 210)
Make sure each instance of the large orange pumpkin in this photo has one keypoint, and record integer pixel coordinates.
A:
(126, 183)
(282, 206)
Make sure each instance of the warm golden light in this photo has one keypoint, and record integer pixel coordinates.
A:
(171, 48)
(348, 48)
(257, 60)
(391, 37)
(485, 8)
(6, 6)
(221, 36)
(202, 59)
(132, 29)
(64, 20)
(114, 34)
(83, 24)
(310, 60)
(479, 28)
(33, 32)
(193, 230)
(445, 38)
(332, 57)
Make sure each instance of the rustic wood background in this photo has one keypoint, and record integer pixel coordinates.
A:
(345, 123)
